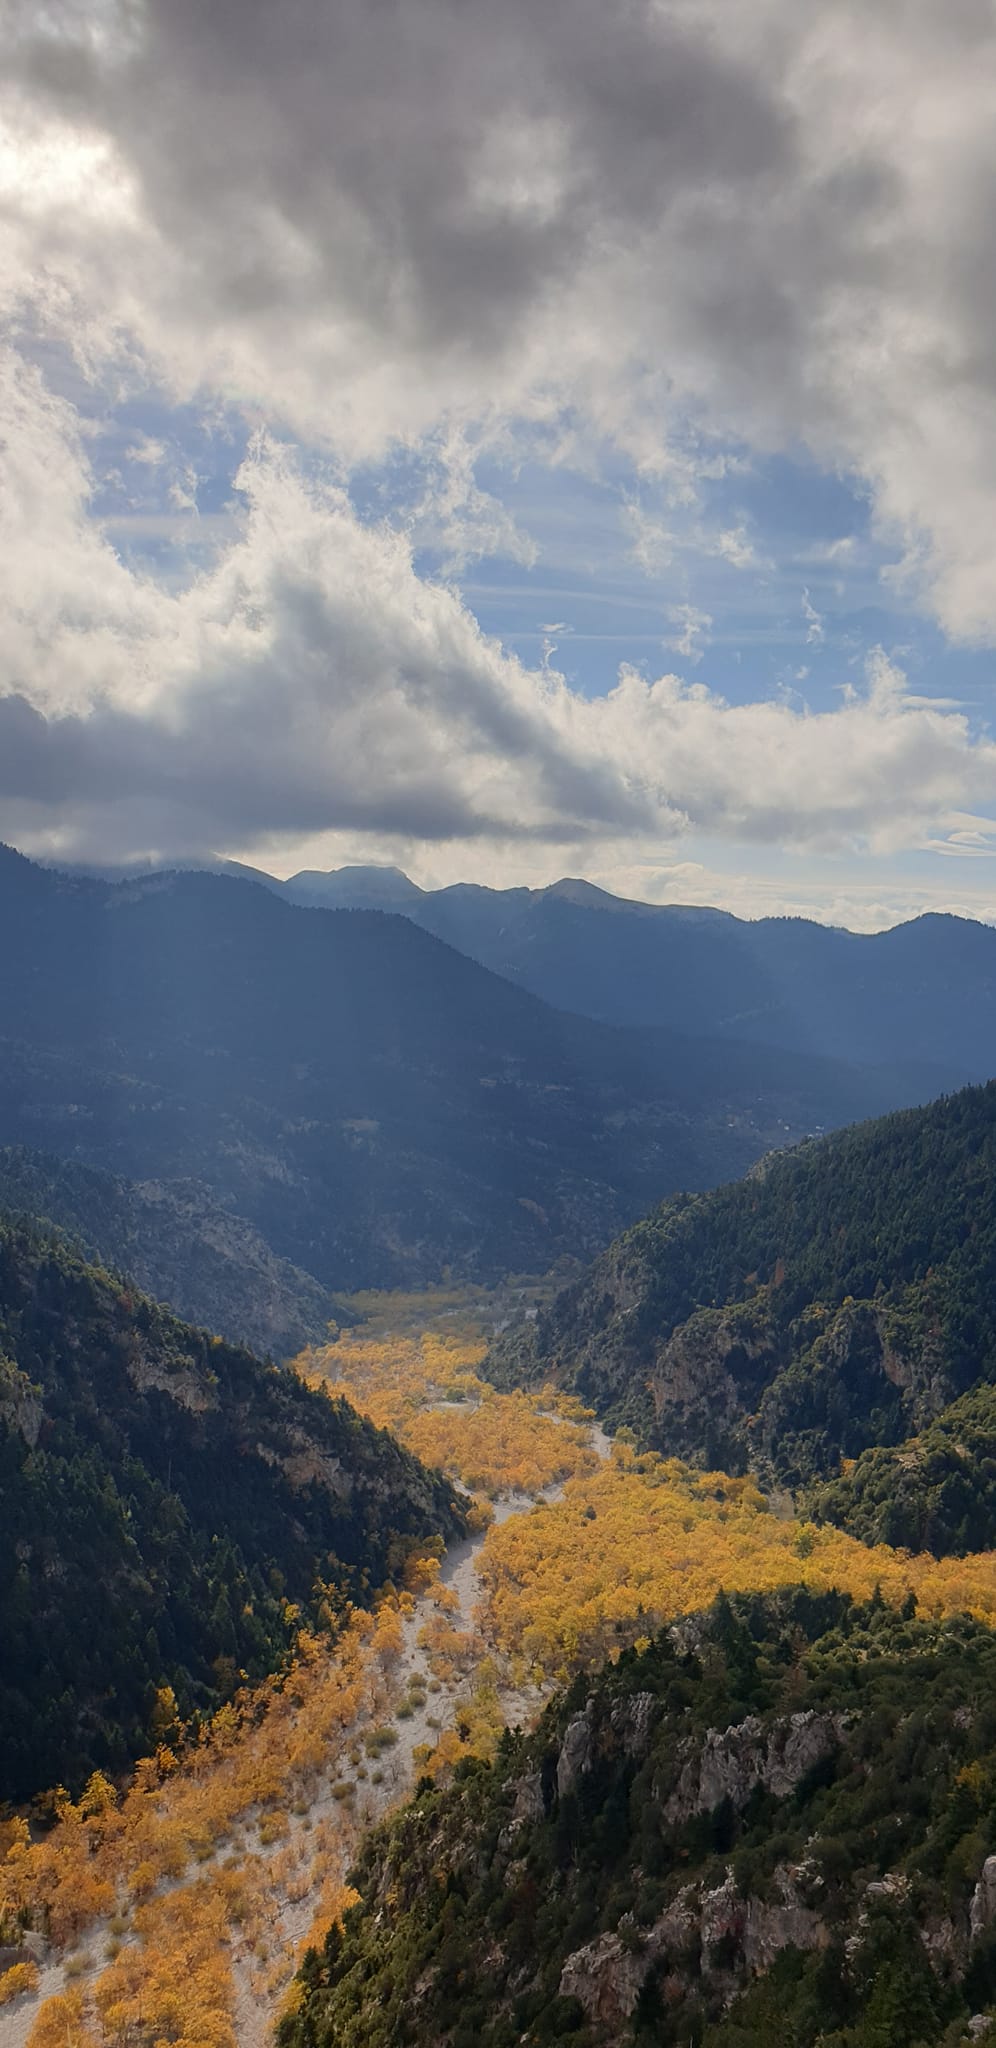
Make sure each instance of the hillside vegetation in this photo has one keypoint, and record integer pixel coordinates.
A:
(178, 1244)
(936, 1491)
(772, 1825)
(171, 1511)
(838, 1299)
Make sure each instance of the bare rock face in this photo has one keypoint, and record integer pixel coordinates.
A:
(720, 1378)
(607, 1975)
(529, 1807)
(179, 1378)
(943, 1939)
(606, 1978)
(21, 1404)
(304, 1465)
(577, 1751)
(754, 1931)
(712, 1370)
(631, 1722)
(787, 1923)
(982, 1911)
(529, 1802)
(719, 1931)
(731, 1762)
(722, 1917)
(629, 1729)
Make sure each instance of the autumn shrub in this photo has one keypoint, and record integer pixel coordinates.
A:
(17, 1980)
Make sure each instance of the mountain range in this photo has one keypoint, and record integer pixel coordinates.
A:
(372, 1103)
(771, 1820)
(924, 991)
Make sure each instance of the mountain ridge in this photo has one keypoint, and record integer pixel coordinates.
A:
(923, 989)
(375, 1104)
(178, 1244)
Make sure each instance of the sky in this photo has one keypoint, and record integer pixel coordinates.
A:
(505, 442)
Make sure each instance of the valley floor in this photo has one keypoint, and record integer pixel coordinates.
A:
(188, 1903)
(177, 1911)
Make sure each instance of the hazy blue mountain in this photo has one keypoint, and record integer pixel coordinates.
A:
(924, 991)
(372, 1102)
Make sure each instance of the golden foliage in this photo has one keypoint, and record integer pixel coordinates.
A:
(425, 1389)
(335, 1900)
(176, 1988)
(18, 1979)
(503, 1443)
(210, 1845)
(158, 1848)
(63, 2022)
(646, 1539)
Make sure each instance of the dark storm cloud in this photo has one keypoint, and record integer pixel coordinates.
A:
(376, 222)
(364, 131)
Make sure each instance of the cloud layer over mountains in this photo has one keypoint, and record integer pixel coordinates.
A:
(371, 228)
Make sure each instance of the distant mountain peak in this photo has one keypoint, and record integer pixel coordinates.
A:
(366, 885)
(572, 889)
(588, 896)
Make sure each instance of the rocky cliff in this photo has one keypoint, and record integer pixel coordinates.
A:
(778, 1820)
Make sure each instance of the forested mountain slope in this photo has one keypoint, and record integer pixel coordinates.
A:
(838, 1298)
(773, 1825)
(171, 1509)
(924, 991)
(179, 1245)
(375, 1105)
